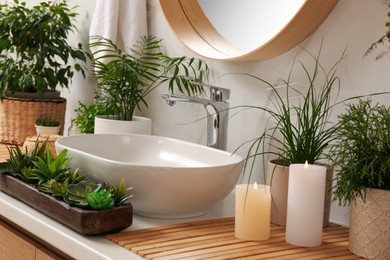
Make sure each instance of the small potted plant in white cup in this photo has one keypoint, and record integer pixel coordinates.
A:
(47, 126)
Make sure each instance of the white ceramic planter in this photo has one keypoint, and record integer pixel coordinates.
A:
(109, 125)
(47, 130)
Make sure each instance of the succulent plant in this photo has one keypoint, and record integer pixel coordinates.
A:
(119, 193)
(21, 164)
(76, 194)
(47, 121)
(100, 199)
(51, 175)
(51, 168)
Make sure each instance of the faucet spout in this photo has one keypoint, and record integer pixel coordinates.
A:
(217, 109)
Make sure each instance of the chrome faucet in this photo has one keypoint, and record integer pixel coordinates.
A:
(217, 109)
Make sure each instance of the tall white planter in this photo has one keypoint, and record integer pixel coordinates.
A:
(109, 125)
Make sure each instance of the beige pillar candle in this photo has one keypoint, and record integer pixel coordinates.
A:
(253, 212)
(305, 206)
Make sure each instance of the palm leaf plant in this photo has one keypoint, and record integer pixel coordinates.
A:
(126, 78)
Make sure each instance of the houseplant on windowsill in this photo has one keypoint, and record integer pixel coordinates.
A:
(361, 153)
(297, 131)
(126, 78)
(35, 60)
(47, 126)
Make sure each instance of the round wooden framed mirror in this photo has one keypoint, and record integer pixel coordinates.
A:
(195, 23)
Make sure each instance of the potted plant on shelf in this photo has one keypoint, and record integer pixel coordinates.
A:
(361, 153)
(298, 132)
(126, 78)
(35, 59)
(47, 126)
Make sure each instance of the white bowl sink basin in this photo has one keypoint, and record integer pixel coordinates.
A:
(170, 178)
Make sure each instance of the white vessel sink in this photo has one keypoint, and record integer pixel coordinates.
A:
(170, 178)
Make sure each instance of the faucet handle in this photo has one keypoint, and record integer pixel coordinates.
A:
(216, 93)
(219, 94)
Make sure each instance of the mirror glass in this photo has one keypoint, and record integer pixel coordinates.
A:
(244, 29)
(248, 24)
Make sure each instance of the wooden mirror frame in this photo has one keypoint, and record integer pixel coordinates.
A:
(195, 31)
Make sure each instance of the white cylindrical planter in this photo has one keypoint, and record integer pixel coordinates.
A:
(109, 125)
(47, 130)
(305, 208)
(253, 212)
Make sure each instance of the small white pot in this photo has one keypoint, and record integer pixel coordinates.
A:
(47, 130)
(109, 125)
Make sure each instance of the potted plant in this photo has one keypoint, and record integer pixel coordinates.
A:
(47, 126)
(86, 113)
(297, 132)
(361, 153)
(126, 78)
(35, 59)
(51, 187)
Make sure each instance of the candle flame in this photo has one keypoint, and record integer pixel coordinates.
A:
(306, 164)
(255, 186)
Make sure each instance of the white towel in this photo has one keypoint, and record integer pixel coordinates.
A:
(122, 21)
(105, 19)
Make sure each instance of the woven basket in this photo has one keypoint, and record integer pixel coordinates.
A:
(31, 141)
(17, 117)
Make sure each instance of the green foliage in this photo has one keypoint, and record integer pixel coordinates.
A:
(381, 40)
(21, 164)
(35, 55)
(86, 114)
(120, 193)
(51, 168)
(362, 150)
(302, 131)
(47, 121)
(100, 200)
(128, 77)
(51, 175)
(76, 194)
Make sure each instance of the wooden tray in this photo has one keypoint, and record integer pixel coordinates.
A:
(86, 222)
(214, 239)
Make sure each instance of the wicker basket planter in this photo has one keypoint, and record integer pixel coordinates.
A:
(18, 115)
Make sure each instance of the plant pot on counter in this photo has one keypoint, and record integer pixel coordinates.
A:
(19, 112)
(47, 130)
(86, 222)
(277, 178)
(110, 125)
(369, 228)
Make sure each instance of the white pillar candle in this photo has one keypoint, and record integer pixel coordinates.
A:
(253, 212)
(305, 206)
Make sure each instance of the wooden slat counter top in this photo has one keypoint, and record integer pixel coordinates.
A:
(215, 240)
